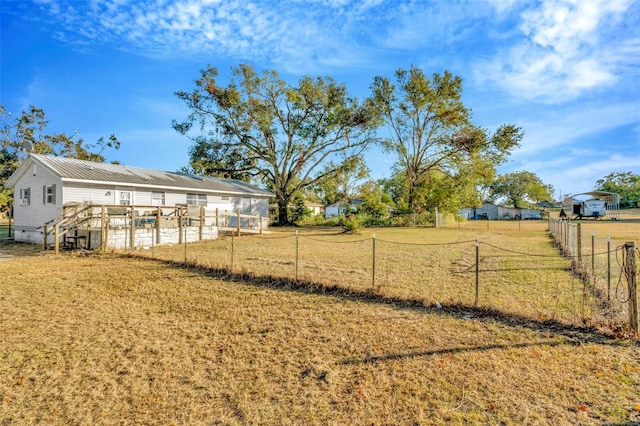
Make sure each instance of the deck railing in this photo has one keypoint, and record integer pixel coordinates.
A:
(78, 224)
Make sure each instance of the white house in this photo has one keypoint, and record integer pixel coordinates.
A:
(316, 209)
(44, 184)
(339, 208)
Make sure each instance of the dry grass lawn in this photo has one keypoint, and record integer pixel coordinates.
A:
(110, 339)
(520, 271)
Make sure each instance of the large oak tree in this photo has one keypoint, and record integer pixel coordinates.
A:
(439, 149)
(285, 134)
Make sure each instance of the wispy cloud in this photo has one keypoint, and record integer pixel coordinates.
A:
(566, 48)
(272, 32)
(561, 128)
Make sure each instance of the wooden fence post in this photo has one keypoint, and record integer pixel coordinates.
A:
(579, 243)
(103, 229)
(217, 218)
(132, 230)
(158, 216)
(238, 222)
(201, 223)
(631, 272)
(56, 244)
(179, 225)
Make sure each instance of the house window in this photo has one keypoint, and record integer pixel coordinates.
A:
(225, 198)
(25, 196)
(197, 199)
(49, 194)
(125, 198)
(246, 205)
(157, 198)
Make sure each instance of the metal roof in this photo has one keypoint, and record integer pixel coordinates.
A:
(609, 197)
(72, 170)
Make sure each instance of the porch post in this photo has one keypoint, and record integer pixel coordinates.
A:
(103, 229)
(132, 230)
(201, 222)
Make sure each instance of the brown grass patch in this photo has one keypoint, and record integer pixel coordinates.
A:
(118, 340)
(521, 270)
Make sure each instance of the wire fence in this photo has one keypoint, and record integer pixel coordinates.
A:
(521, 273)
(603, 266)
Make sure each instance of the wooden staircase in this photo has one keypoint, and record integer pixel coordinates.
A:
(65, 228)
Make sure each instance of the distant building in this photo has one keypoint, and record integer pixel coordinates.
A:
(317, 209)
(339, 208)
(491, 211)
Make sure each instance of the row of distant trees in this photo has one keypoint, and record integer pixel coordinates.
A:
(305, 141)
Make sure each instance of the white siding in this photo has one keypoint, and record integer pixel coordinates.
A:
(106, 194)
(94, 194)
(28, 218)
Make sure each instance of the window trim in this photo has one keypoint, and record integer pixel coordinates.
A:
(25, 194)
(158, 197)
(199, 198)
(49, 195)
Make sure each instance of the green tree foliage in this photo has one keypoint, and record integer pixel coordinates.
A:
(438, 147)
(625, 184)
(342, 184)
(376, 204)
(212, 157)
(8, 163)
(521, 189)
(289, 132)
(298, 210)
(29, 129)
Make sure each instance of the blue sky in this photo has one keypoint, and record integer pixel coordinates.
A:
(567, 72)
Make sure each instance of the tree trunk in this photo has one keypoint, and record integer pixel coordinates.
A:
(283, 211)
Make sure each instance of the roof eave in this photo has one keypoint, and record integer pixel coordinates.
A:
(166, 187)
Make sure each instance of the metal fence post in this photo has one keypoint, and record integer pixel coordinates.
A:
(593, 257)
(297, 254)
(609, 269)
(475, 303)
(373, 264)
(185, 244)
(232, 251)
